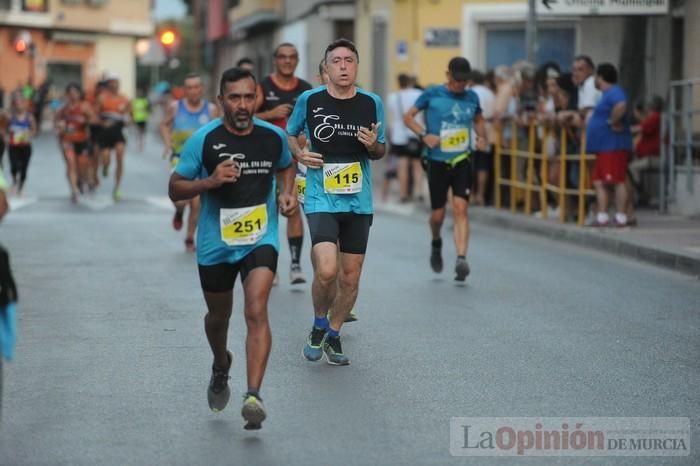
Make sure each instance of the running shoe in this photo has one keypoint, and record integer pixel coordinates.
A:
(461, 269)
(117, 195)
(295, 275)
(218, 392)
(177, 219)
(436, 258)
(253, 412)
(312, 349)
(334, 352)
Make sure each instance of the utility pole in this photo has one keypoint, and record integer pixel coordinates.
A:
(196, 36)
(531, 32)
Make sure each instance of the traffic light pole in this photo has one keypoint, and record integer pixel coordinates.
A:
(31, 52)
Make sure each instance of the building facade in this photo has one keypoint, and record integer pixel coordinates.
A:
(73, 40)
(256, 27)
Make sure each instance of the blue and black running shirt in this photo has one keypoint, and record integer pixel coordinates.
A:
(451, 116)
(344, 184)
(237, 217)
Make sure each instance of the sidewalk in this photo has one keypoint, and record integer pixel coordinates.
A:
(664, 240)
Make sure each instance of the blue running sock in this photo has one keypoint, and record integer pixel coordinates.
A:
(332, 332)
(254, 392)
(321, 322)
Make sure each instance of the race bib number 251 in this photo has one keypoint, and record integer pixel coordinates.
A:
(243, 226)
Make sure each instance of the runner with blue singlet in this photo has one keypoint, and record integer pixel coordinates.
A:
(182, 119)
(453, 119)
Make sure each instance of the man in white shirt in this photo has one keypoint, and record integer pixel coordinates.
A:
(404, 144)
(583, 76)
(483, 160)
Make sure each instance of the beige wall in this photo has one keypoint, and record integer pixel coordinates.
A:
(691, 66)
(116, 55)
(116, 16)
(691, 59)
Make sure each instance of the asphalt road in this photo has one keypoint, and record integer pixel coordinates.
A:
(112, 363)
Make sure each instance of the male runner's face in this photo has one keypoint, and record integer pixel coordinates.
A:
(341, 66)
(286, 61)
(238, 102)
(193, 90)
(113, 85)
(454, 85)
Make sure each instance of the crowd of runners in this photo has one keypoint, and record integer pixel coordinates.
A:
(273, 145)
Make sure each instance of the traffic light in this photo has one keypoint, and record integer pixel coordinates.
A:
(23, 42)
(168, 39)
(20, 46)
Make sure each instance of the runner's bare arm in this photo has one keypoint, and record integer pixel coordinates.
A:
(128, 113)
(58, 123)
(369, 137)
(33, 127)
(409, 119)
(89, 112)
(287, 198)
(480, 129)
(166, 126)
(181, 188)
(277, 113)
(214, 111)
(4, 206)
(304, 155)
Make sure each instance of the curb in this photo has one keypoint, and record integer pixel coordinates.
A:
(586, 237)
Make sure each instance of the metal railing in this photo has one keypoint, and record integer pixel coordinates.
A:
(678, 141)
(525, 185)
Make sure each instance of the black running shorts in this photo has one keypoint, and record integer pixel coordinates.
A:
(348, 229)
(110, 136)
(221, 277)
(79, 148)
(443, 176)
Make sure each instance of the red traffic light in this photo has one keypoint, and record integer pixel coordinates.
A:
(20, 46)
(167, 38)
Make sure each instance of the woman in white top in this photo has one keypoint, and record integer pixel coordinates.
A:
(404, 144)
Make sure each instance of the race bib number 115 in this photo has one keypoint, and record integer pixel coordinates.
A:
(342, 178)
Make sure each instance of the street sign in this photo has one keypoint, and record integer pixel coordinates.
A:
(441, 37)
(402, 50)
(602, 7)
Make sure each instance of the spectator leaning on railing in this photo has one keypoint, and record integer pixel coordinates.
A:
(609, 137)
(584, 78)
(649, 144)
